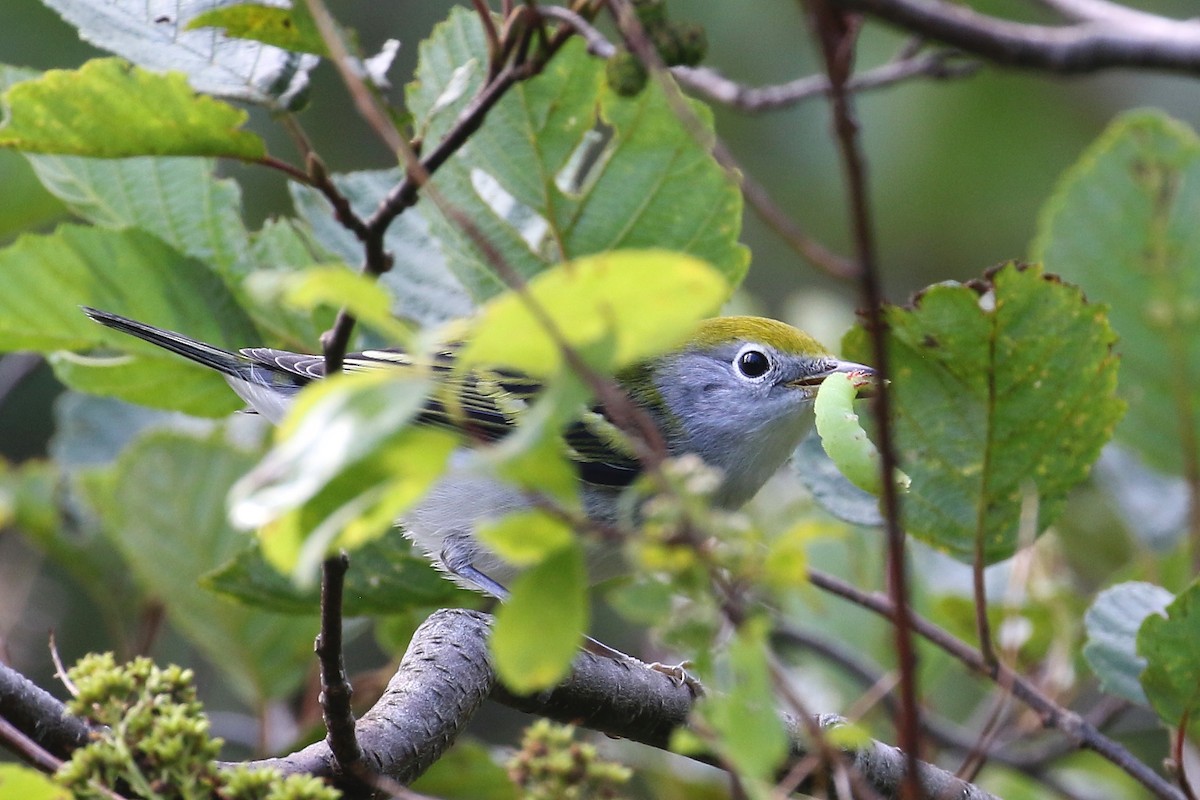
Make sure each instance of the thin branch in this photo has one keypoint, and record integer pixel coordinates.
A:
(1178, 747)
(786, 227)
(1102, 11)
(1054, 716)
(1151, 43)
(336, 690)
(489, 32)
(1029, 757)
(937, 65)
(837, 34)
(29, 751)
(706, 81)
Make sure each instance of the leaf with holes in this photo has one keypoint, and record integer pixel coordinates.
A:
(1004, 394)
(564, 168)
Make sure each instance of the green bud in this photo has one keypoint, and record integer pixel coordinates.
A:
(683, 44)
(651, 13)
(667, 42)
(693, 41)
(625, 74)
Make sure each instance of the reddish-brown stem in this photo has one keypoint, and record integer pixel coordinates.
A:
(837, 33)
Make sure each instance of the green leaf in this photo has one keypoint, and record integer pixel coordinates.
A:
(1122, 225)
(338, 287)
(466, 772)
(279, 250)
(1171, 646)
(333, 425)
(109, 108)
(177, 199)
(47, 278)
(424, 289)
(24, 205)
(616, 309)
(751, 734)
(533, 456)
(564, 168)
(10, 75)
(1112, 626)
(346, 466)
(385, 577)
(157, 38)
(163, 504)
(288, 28)
(524, 538)
(17, 780)
(539, 630)
(1004, 395)
(27, 498)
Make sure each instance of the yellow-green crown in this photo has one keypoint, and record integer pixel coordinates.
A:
(781, 336)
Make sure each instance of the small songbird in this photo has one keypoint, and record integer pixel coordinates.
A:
(738, 393)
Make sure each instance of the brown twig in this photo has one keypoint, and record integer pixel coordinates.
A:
(837, 34)
(937, 65)
(336, 691)
(712, 85)
(815, 253)
(29, 751)
(1054, 716)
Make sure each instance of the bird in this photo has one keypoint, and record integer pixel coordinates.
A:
(738, 393)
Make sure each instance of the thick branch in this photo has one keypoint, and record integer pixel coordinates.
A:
(36, 713)
(1140, 41)
(446, 675)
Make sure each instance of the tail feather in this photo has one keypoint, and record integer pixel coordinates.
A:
(223, 361)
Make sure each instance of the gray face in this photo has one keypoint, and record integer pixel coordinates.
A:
(740, 409)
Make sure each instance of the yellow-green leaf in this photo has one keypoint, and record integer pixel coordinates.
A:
(109, 108)
(527, 537)
(614, 308)
(337, 287)
(17, 780)
(289, 28)
(539, 630)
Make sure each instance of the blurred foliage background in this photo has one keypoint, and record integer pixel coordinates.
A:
(958, 173)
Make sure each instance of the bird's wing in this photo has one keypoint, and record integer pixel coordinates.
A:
(485, 405)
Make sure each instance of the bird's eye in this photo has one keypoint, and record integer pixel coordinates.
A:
(753, 363)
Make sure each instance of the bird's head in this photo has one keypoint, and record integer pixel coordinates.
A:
(739, 394)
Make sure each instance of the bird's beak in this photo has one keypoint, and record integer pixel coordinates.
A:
(862, 375)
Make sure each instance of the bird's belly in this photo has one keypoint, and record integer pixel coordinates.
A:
(443, 525)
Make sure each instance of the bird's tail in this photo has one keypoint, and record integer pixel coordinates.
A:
(223, 361)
